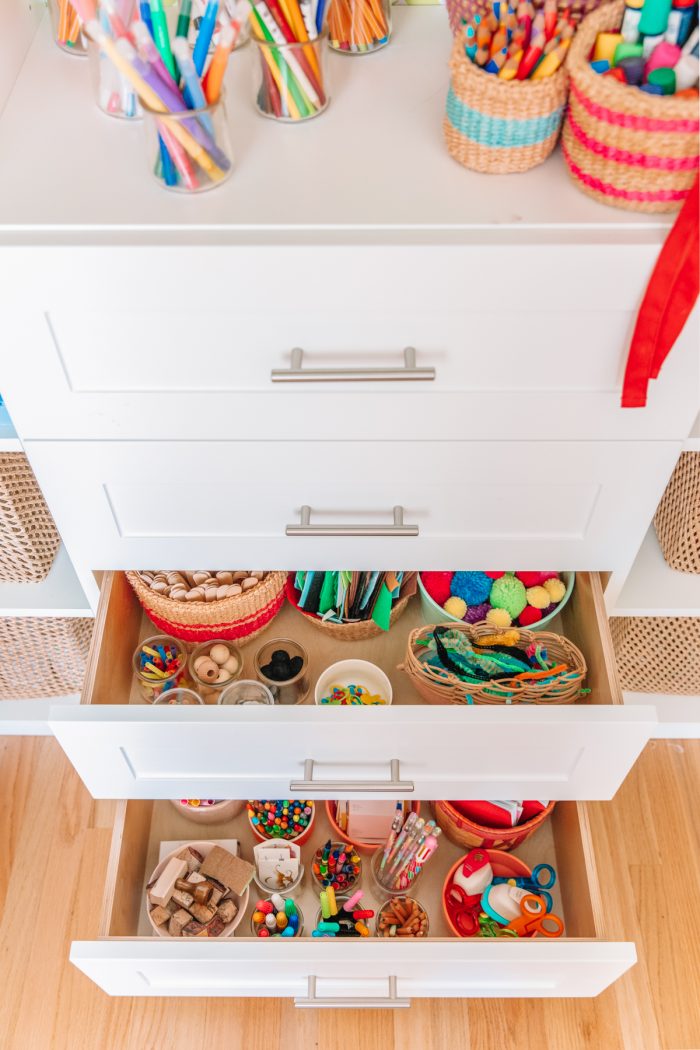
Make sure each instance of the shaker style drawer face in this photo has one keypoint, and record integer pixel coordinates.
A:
(493, 358)
(125, 748)
(129, 960)
(582, 505)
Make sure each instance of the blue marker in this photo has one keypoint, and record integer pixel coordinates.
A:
(192, 90)
(145, 10)
(206, 32)
(320, 12)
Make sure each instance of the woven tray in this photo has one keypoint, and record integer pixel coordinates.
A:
(677, 521)
(346, 632)
(621, 145)
(239, 618)
(28, 537)
(438, 686)
(42, 656)
(466, 833)
(657, 654)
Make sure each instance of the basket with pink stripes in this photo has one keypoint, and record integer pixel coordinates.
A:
(622, 146)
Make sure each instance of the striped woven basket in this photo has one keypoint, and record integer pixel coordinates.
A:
(500, 126)
(239, 618)
(466, 833)
(459, 11)
(622, 146)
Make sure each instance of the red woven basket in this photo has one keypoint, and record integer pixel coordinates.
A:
(464, 832)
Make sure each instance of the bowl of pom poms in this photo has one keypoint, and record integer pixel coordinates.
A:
(502, 599)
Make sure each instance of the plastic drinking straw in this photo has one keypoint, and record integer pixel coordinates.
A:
(206, 32)
(161, 37)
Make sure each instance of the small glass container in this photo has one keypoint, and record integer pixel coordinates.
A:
(113, 93)
(358, 27)
(256, 926)
(189, 152)
(179, 696)
(290, 83)
(352, 881)
(293, 690)
(152, 685)
(286, 891)
(66, 27)
(340, 901)
(246, 691)
(387, 886)
(383, 925)
(210, 689)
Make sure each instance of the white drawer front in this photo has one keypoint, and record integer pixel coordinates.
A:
(355, 972)
(511, 357)
(583, 505)
(565, 752)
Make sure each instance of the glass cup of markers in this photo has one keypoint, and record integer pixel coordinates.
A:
(290, 81)
(189, 151)
(114, 94)
(66, 27)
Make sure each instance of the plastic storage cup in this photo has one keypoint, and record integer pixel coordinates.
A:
(386, 885)
(246, 692)
(152, 688)
(179, 696)
(382, 930)
(256, 926)
(289, 80)
(113, 93)
(66, 27)
(208, 690)
(294, 690)
(358, 27)
(189, 151)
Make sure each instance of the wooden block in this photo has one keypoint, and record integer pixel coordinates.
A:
(194, 877)
(216, 895)
(231, 871)
(202, 892)
(183, 899)
(160, 915)
(182, 917)
(192, 858)
(227, 911)
(174, 928)
(162, 891)
(184, 885)
(216, 927)
(203, 913)
(194, 929)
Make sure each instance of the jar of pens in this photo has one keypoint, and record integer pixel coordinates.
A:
(66, 27)
(399, 864)
(508, 86)
(113, 93)
(289, 70)
(357, 27)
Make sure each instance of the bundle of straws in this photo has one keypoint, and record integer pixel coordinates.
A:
(292, 80)
(515, 43)
(358, 26)
(410, 846)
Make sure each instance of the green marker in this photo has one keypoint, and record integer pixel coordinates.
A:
(665, 78)
(654, 18)
(160, 35)
(183, 19)
(288, 79)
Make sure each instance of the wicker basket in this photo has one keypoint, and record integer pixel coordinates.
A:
(658, 654)
(501, 126)
(438, 686)
(346, 632)
(464, 832)
(623, 146)
(42, 656)
(28, 537)
(459, 11)
(240, 618)
(677, 521)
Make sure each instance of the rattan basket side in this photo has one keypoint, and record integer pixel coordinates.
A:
(470, 835)
(28, 537)
(657, 654)
(347, 632)
(42, 656)
(677, 520)
(438, 686)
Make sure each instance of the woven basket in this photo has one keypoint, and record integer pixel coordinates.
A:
(622, 146)
(501, 126)
(438, 686)
(28, 537)
(346, 632)
(677, 521)
(240, 618)
(657, 654)
(464, 832)
(42, 656)
(459, 11)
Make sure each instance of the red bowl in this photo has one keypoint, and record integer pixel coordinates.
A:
(363, 847)
(504, 865)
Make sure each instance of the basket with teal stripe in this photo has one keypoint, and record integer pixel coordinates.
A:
(501, 126)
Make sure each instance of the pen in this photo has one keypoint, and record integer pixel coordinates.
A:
(206, 32)
(161, 37)
(192, 91)
(183, 19)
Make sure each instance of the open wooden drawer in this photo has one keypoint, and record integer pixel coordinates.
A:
(124, 748)
(128, 960)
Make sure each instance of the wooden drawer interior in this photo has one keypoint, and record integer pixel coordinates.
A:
(121, 624)
(141, 825)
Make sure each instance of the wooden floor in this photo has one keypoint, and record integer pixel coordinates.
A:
(54, 843)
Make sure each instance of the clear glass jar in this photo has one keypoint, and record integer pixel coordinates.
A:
(66, 27)
(179, 696)
(113, 93)
(190, 151)
(255, 926)
(347, 888)
(289, 80)
(247, 691)
(293, 690)
(152, 685)
(383, 927)
(385, 884)
(210, 688)
(358, 27)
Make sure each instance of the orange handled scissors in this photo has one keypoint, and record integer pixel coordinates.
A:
(533, 917)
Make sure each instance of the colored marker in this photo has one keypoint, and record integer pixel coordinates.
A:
(206, 32)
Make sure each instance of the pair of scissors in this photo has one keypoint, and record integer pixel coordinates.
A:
(463, 909)
(536, 884)
(533, 916)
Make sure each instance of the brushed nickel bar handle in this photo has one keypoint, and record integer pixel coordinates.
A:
(392, 1001)
(393, 531)
(410, 372)
(393, 784)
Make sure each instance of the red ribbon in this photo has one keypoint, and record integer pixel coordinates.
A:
(670, 296)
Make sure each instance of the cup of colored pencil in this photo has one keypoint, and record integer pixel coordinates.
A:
(66, 26)
(514, 42)
(289, 72)
(113, 93)
(357, 27)
(399, 864)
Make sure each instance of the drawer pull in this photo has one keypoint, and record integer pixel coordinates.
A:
(389, 1002)
(305, 528)
(309, 784)
(298, 374)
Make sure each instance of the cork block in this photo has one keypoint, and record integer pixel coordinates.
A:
(229, 870)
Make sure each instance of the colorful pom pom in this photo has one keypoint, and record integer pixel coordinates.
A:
(529, 615)
(509, 593)
(473, 587)
(456, 607)
(495, 575)
(556, 589)
(476, 613)
(499, 618)
(530, 579)
(537, 597)
(437, 584)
